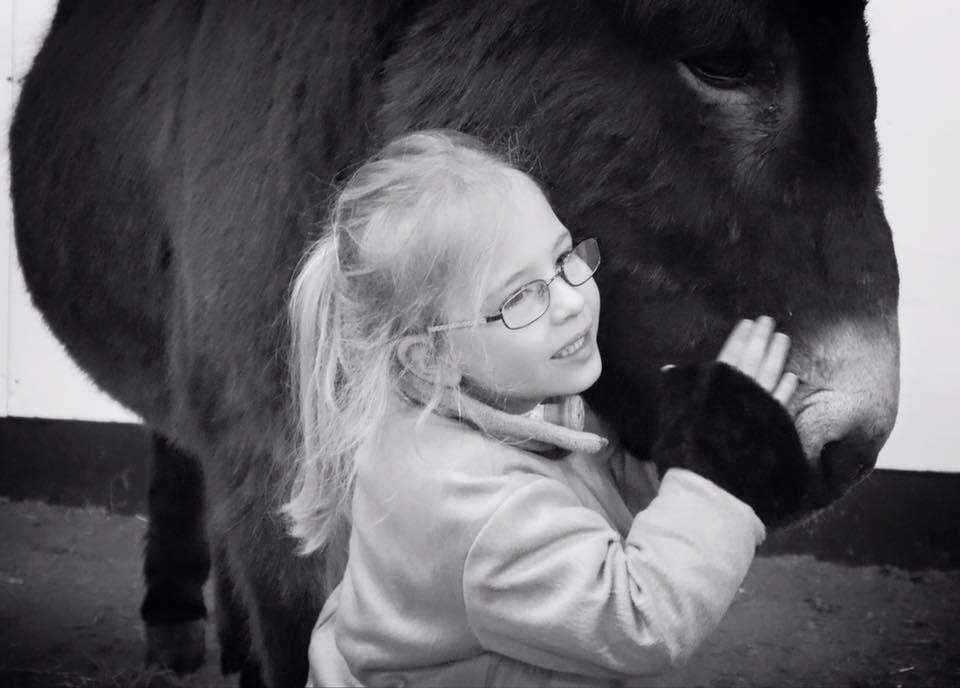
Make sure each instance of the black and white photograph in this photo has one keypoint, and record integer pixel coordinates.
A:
(508, 343)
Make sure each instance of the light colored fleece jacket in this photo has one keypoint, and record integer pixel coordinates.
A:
(476, 563)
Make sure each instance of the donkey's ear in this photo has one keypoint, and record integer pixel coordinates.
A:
(418, 354)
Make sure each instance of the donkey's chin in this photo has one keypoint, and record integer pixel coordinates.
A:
(846, 462)
(839, 469)
(842, 433)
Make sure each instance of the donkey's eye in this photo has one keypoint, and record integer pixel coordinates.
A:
(728, 69)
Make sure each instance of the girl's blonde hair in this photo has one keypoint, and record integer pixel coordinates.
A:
(403, 234)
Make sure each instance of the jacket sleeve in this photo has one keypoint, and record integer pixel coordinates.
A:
(719, 423)
(549, 582)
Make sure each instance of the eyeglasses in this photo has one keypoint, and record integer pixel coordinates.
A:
(525, 306)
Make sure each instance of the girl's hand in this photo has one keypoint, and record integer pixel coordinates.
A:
(726, 421)
(758, 352)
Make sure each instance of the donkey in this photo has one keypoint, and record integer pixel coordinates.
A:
(170, 162)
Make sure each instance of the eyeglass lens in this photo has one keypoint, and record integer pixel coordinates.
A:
(532, 300)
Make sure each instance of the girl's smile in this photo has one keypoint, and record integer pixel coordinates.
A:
(578, 345)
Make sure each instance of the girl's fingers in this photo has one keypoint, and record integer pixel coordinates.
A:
(733, 347)
(785, 388)
(771, 367)
(756, 346)
(757, 351)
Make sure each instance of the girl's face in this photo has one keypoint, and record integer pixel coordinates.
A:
(557, 354)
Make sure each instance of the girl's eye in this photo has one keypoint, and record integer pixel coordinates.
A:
(518, 297)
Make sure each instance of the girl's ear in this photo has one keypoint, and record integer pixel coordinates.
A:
(417, 354)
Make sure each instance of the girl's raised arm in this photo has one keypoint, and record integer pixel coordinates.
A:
(549, 582)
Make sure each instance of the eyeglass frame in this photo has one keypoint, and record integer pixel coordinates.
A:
(461, 324)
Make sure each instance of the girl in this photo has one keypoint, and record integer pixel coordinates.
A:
(483, 529)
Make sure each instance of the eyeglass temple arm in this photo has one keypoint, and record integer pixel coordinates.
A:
(464, 323)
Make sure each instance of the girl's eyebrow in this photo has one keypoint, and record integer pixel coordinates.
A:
(519, 273)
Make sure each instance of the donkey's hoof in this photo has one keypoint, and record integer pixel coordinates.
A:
(177, 646)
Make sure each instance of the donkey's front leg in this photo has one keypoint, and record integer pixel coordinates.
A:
(176, 562)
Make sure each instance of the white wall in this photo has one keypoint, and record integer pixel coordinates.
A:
(913, 44)
(37, 378)
(6, 101)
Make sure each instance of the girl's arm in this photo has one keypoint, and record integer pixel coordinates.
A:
(549, 582)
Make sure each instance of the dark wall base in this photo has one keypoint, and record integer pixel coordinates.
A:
(899, 518)
(909, 519)
(75, 463)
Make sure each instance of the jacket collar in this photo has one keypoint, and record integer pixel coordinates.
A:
(555, 424)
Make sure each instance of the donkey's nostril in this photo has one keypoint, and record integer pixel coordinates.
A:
(845, 462)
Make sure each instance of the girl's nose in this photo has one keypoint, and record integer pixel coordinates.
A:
(565, 301)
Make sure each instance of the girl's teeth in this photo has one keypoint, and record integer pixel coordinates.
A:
(567, 350)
